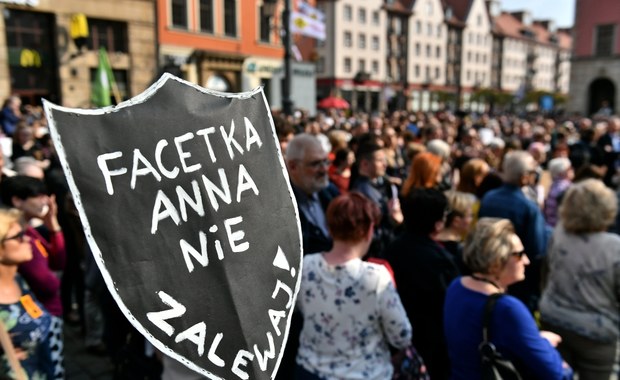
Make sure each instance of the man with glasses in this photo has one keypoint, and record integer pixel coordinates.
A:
(307, 165)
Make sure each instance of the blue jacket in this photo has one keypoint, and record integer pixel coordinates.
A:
(509, 202)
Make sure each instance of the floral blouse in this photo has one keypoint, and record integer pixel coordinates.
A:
(351, 313)
(30, 333)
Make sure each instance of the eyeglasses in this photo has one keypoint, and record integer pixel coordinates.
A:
(519, 254)
(317, 163)
(19, 237)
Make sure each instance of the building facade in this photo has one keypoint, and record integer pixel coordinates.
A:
(595, 67)
(427, 58)
(352, 60)
(40, 59)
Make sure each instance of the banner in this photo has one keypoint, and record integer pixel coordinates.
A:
(309, 10)
(307, 26)
(187, 207)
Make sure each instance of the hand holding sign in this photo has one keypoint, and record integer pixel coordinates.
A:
(187, 207)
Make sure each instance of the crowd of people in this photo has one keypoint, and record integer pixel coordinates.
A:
(411, 222)
(471, 207)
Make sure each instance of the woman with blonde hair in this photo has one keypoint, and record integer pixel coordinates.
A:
(425, 172)
(458, 221)
(581, 298)
(28, 323)
(495, 257)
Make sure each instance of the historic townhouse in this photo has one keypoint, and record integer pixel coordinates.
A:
(476, 46)
(427, 54)
(41, 56)
(352, 60)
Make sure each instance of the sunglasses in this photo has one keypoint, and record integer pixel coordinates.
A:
(19, 237)
(519, 254)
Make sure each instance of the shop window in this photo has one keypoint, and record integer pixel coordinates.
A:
(31, 56)
(111, 35)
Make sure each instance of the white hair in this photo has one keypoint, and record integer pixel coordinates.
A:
(558, 167)
(516, 165)
(439, 148)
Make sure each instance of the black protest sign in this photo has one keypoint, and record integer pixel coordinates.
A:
(188, 210)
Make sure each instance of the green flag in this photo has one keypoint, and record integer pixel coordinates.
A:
(104, 81)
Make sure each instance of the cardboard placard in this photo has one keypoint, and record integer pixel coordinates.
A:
(187, 207)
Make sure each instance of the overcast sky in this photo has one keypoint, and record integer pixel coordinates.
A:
(562, 11)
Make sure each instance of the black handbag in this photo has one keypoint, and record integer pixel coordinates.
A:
(409, 365)
(494, 365)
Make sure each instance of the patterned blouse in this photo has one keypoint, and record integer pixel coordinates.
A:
(29, 332)
(351, 313)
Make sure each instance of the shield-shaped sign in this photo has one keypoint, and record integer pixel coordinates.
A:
(188, 210)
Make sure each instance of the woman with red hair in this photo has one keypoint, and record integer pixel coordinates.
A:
(425, 173)
(351, 309)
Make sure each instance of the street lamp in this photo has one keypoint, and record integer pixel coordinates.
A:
(287, 102)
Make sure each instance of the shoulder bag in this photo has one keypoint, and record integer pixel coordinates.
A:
(494, 365)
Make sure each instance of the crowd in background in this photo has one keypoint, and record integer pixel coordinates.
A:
(399, 212)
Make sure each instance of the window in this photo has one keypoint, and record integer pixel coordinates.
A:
(429, 29)
(417, 49)
(348, 39)
(397, 25)
(206, 18)
(479, 20)
(179, 13)
(469, 56)
(418, 27)
(438, 51)
(348, 13)
(476, 58)
(427, 73)
(375, 67)
(375, 18)
(468, 75)
(439, 30)
(429, 8)
(361, 15)
(604, 40)
(416, 70)
(428, 51)
(361, 41)
(111, 35)
(347, 65)
(361, 65)
(375, 42)
(437, 72)
(230, 18)
(320, 65)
